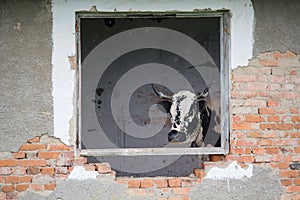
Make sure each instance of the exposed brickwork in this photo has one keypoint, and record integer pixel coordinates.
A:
(265, 130)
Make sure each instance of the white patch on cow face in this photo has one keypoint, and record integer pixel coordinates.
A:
(183, 110)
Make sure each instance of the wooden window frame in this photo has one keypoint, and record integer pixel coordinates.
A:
(224, 16)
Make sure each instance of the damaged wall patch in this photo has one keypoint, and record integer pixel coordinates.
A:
(233, 171)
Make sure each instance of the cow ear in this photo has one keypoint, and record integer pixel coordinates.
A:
(165, 106)
(202, 105)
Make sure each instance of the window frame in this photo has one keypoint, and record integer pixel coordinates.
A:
(224, 16)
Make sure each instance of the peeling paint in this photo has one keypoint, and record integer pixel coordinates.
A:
(79, 173)
(233, 171)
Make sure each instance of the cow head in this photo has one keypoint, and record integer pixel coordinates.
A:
(185, 110)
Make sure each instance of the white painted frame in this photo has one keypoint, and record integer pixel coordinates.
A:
(224, 81)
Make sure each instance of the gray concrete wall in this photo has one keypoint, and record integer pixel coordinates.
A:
(25, 70)
(277, 26)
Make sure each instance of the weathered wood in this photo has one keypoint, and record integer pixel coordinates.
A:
(151, 151)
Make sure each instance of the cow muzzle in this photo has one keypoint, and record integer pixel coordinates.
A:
(176, 137)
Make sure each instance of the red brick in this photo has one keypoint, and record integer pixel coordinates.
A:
(33, 170)
(58, 147)
(248, 150)
(174, 182)
(286, 182)
(288, 95)
(295, 196)
(200, 173)
(48, 155)
(273, 118)
(161, 183)
(236, 119)
(22, 187)
(50, 186)
(89, 167)
(283, 142)
(296, 118)
(103, 167)
(253, 118)
(289, 174)
(242, 126)
(292, 188)
(2, 195)
(8, 188)
(295, 135)
(267, 126)
(19, 155)
(272, 150)
(265, 142)
(181, 190)
(8, 163)
(237, 150)
(272, 103)
(297, 181)
(18, 179)
(80, 161)
(147, 183)
(239, 135)
(297, 126)
(294, 110)
(268, 63)
(290, 54)
(244, 78)
(258, 151)
(48, 170)
(134, 183)
(34, 140)
(254, 134)
(246, 159)
(297, 149)
(32, 163)
(269, 135)
(33, 147)
(243, 94)
(283, 165)
(267, 111)
(284, 126)
(246, 142)
(231, 157)
(37, 187)
(277, 55)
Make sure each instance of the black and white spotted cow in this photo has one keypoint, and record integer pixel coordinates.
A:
(190, 116)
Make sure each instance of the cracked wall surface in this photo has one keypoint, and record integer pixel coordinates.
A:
(264, 114)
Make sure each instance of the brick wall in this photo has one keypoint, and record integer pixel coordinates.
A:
(265, 115)
(265, 130)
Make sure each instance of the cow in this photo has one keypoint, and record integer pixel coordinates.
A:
(190, 116)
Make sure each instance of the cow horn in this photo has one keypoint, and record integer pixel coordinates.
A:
(160, 94)
(205, 92)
